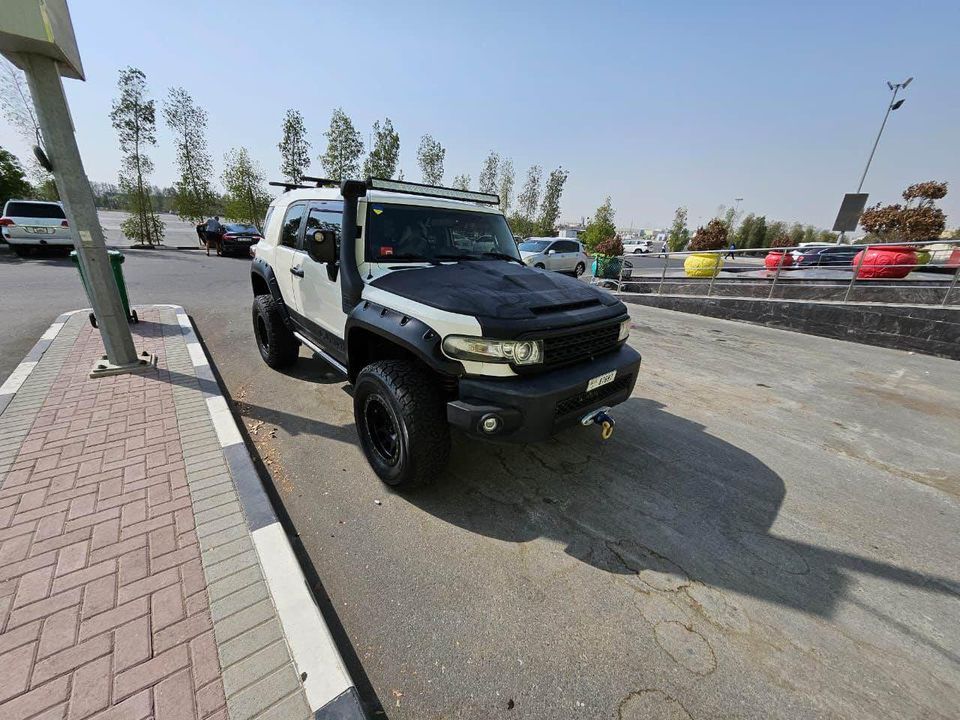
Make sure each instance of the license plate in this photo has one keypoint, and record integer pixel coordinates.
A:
(601, 380)
(37, 230)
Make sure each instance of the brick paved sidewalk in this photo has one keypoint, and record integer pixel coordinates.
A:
(130, 586)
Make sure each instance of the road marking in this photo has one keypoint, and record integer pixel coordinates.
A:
(196, 354)
(310, 641)
(223, 424)
(52, 331)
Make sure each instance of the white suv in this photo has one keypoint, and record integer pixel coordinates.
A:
(35, 223)
(558, 254)
(417, 294)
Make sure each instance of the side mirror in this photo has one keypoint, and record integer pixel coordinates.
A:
(551, 252)
(322, 246)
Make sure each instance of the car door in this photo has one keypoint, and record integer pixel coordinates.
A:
(286, 257)
(319, 287)
(551, 256)
(567, 252)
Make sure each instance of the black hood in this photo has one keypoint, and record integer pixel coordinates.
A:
(508, 299)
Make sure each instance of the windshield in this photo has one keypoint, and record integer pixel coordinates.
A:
(534, 245)
(35, 210)
(240, 228)
(430, 234)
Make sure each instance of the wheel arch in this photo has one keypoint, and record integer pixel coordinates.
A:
(264, 282)
(374, 332)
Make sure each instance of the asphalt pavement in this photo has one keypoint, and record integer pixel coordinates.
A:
(771, 532)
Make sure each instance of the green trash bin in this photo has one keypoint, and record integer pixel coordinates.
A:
(116, 260)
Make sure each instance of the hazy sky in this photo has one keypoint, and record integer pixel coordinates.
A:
(656, 104)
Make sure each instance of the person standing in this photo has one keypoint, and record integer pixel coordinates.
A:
(202, 233)
(214, 228)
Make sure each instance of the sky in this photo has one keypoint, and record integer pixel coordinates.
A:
(654, 104)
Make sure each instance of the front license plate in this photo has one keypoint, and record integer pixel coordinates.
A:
(601, 380)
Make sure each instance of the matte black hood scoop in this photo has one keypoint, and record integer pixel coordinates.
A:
(507, 298)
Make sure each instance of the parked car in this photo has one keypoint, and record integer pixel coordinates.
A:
(557, 254)
(828, 255)
(426, 308)
(32, 224)
(943, 256)
(642, 247)
(237, 238)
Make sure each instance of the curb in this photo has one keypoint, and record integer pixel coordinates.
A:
(327, 685)
(22, 371)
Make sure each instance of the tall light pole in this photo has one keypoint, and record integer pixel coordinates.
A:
(894, 105)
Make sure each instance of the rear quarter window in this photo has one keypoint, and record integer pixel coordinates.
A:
(34, 210)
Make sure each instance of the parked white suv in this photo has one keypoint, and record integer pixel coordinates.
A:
(557, 254)
(417, 294)
(35, 223)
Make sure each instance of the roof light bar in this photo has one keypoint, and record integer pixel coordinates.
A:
(410, 188)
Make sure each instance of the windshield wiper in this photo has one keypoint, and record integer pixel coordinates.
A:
(504, 256)
(479, 256)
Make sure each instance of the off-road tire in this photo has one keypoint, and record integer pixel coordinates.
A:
(411, 398)
(278, 347)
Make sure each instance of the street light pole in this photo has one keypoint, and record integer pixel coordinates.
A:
(896, 88)
(893, 105)
(56, 127)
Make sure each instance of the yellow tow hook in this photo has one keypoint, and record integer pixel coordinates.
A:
(606, 423)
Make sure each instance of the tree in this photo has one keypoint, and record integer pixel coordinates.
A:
(918, 220)
(529, 197)
(506, 185)
(601, 228)
(758, 233)
(193, 196)
(294, 148)
(13, 181)
(550, 206)
(134, 118)
(385, 154)
(679, 234)
(489, 173)
(341, 160)
(430, 156)
(247, 198)
(461, 182)
(17, 107)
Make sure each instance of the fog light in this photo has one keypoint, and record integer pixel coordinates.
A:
(490, 424)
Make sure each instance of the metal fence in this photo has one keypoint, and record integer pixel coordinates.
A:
(908, 272)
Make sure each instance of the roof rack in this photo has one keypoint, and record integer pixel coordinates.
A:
(402, 186)
(287, 187)
(321, 182)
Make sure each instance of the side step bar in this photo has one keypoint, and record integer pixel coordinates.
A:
(322, 353)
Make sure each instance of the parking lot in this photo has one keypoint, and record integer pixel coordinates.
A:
(771, 531)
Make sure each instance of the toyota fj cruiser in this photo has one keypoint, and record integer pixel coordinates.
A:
(418, 295)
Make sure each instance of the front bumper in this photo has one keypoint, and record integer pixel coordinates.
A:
(532, 408)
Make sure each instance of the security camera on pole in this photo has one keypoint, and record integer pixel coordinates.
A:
(37, 36)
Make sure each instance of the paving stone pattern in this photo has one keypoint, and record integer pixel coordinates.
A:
(129, 587)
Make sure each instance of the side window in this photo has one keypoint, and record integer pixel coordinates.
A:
(325, 217)
(291, 224)
(567, 246)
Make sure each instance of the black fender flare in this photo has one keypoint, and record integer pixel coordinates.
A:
(259, 267)
(408, 333)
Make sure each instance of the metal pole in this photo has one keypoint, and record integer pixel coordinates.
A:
(896, 89)
(716, 271)
(60, 144)
(783, 258)
(953, 284)
(666, 261)
(856, 272)
(873, 150)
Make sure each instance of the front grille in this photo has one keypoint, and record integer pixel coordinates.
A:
(580, 345)
(588, 398)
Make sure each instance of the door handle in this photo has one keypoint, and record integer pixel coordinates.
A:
(296, 271)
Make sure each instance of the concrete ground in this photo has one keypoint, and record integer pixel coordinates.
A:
(771, 532)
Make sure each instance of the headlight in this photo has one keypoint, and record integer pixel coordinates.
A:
(624, 330)
(519, 352)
